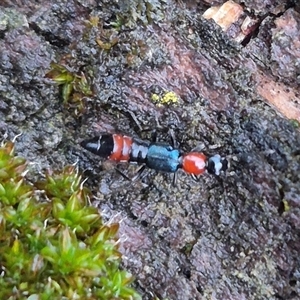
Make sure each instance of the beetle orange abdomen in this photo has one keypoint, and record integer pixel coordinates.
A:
(122, 148)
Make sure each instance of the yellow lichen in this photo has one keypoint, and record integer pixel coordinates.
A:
(166, 98)
(286, 205)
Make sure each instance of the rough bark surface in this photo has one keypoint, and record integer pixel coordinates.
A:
(230, 237)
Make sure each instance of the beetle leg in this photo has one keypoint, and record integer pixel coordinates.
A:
(174, 182)
(139, 173)
(123, 174)
(153, 136)
(195, 177)
(173, 138)
(137, 176)
(134, 118)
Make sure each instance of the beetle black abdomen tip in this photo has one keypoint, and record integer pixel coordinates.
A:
(90, 145)
(86, 144)
(102, 145)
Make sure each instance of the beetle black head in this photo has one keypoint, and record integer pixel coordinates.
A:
(216, 164)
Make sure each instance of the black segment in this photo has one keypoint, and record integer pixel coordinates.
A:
(139, 151)
(211, 167)
(224, 164)
(100, 145)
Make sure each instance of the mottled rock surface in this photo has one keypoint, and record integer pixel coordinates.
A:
(230, 237)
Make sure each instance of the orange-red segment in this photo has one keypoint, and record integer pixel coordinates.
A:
(127, 144)
(118, 147)
(194, 163)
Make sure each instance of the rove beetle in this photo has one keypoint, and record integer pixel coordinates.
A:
(157, 156)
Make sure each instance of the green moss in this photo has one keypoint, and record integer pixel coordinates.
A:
(145, 11)
(53, 245)
(74, 87)
(295, 123)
